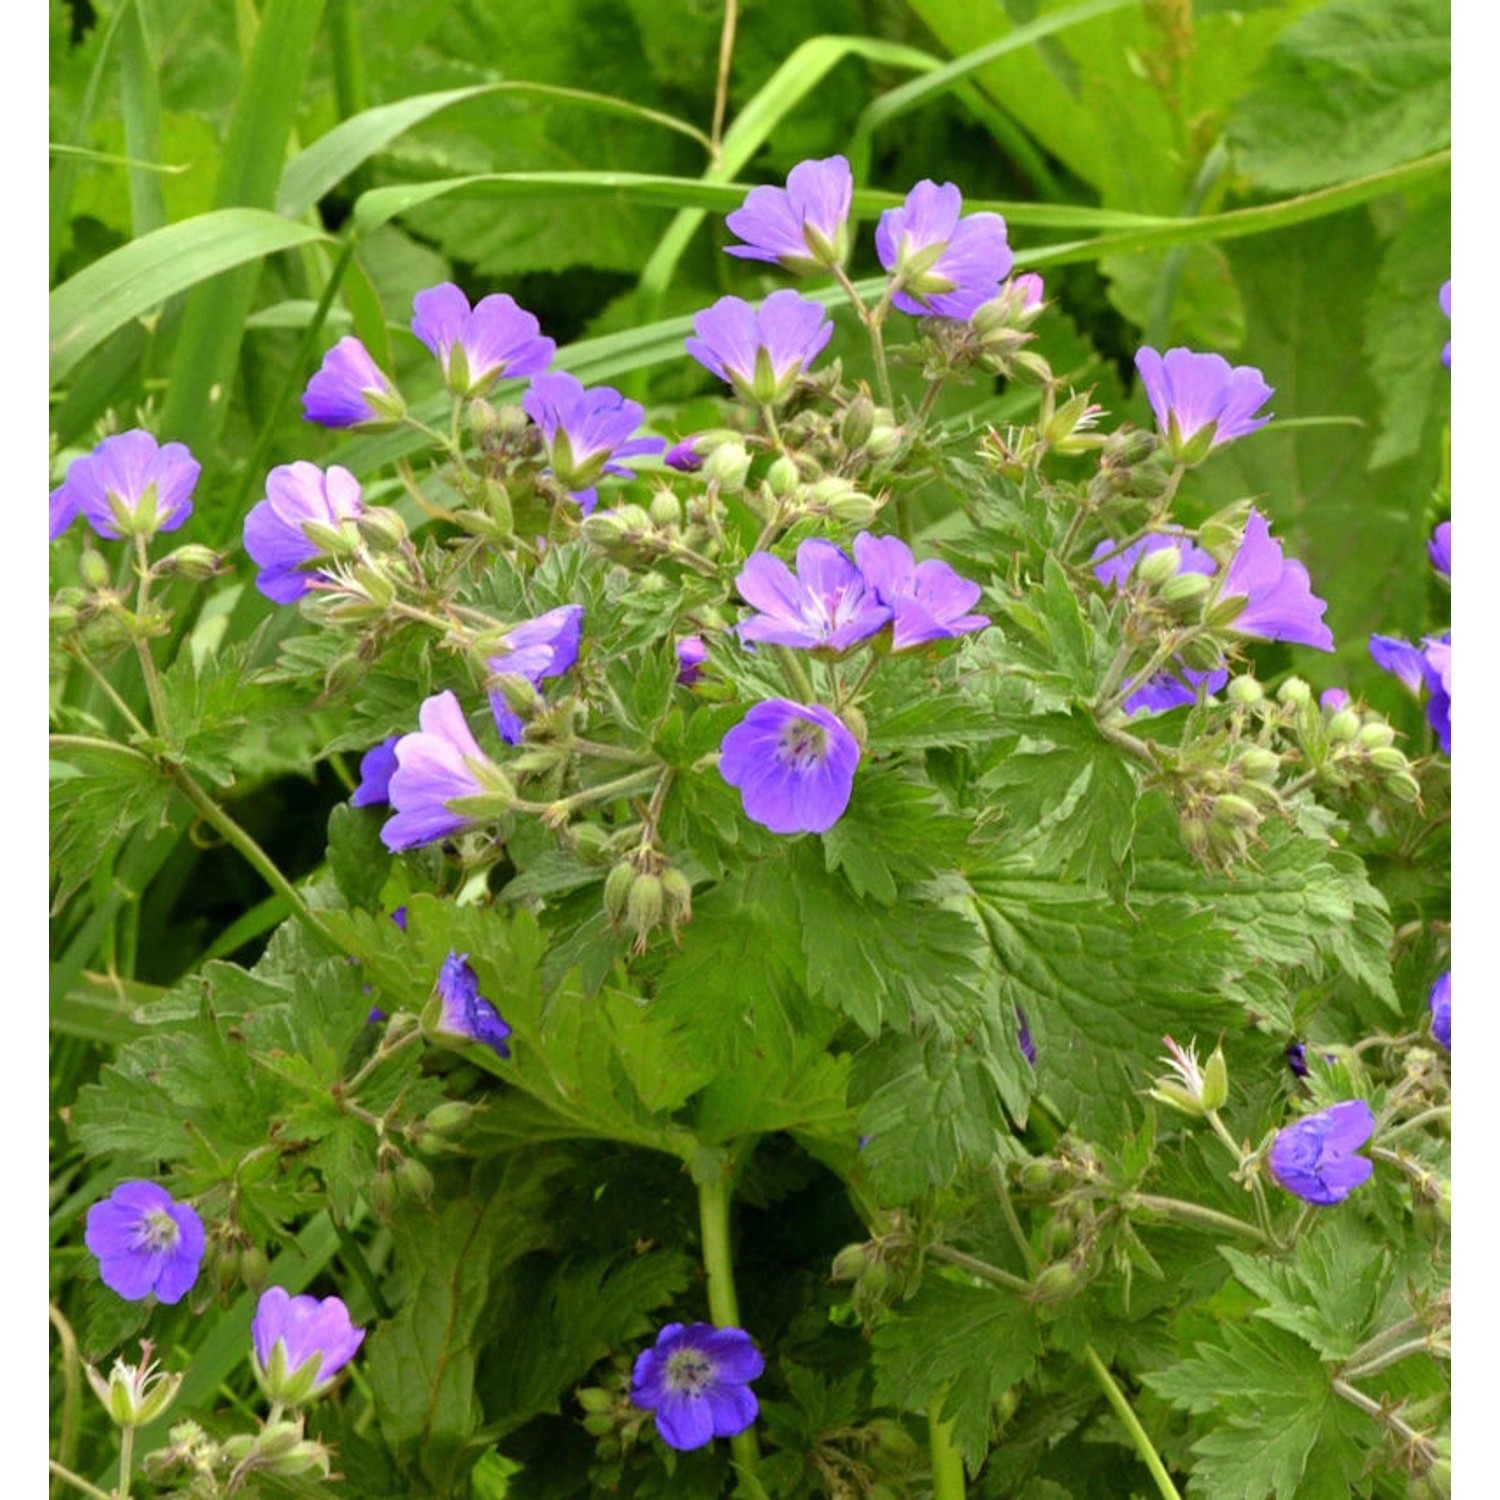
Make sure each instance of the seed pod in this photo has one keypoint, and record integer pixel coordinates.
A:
(617, 891)
(644, 905)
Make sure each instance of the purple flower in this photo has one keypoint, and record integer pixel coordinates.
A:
(1032, 288)
(1190, 392)
(1117, 566)
(828, 604)
(146, 1242)
(1279, 602)
(1440, 1003)
(375, 768)
(1429, 666)
(1333, 700)
(1296, 1058)
(586, 431)
(439, 764)
(276, 535)
(301, 1343)
(760, 353)
(475, 348)
(1023, 1036)
(696, 1378)
(1315, 1157)
(127, 486)
(802, 227)
(793, 764)
(349, 389)
(1440, 548)
(683, 456)
(544, 647)
(1445, 301)
(466, 1015)
(944, 266)
(928, 599)
(1173, 689)
(691, 654)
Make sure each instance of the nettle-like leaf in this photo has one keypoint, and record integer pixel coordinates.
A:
(1282, 1430)
(95, 799)
(964, 1344)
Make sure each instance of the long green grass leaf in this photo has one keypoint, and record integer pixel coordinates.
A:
(140, 107)
(208, 344)
(138, 277)
(334, 156)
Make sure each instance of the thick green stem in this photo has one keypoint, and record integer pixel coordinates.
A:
(1143, 1444)
(980, 1268)
(723, 1307)
(1197, 1214)
(127, 1457)
(947, 1461)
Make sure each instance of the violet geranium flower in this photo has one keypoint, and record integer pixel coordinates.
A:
(145, 1242)
(276, 534)
(1191, 392)
(376, 767)
(928, 600)
(691, 654)
(1445, 301)
(1279, 602)
(803, 227)
(1169, 689)
(696, 1379)
(440, 764)
(301, 1343)
(761, 352)
(1429, 665)
(1440, 1003)
(944, 266)
(828, 604)
(794, 766)
(1116, 565)
(536, 649)
(1440, 549)
(476, 346)
(466, 1015)
(350, 390)
(1315, 1158)
(129, 485)
(586, 431)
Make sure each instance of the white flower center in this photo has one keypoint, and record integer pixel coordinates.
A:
(690, 1372)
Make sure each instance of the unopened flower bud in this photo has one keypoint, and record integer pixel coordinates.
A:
(382, 528)
(1294, 691)
(1202, 653)
(1258, 764)
(1245, 690)
(782, 478)
(1184, 593)
(617, 886)
(255, 1266)
(666, 509)
(858, 422)
(449, 1117)
(884, 441)
(1128, 447)
(1403, 786)
(93, 569)
(343, 675)
(1221, 534)
(850, 1263)
(384, 1193)
(1389, 759)
(644, 905)
(1343, 727)
(1159, 567)
(414, 1179)
(193, 561)
(1055, 1283)
(678, 892)
(727, 466)
(1376, 735)
(62, 619)
(1234, 811)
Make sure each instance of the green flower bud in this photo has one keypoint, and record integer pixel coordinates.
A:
(192, 561)
(595, 1399)
(93, 569)
(62, 619)
(884, 441)
(1234, 811)
(1160, 567)
(678, 891)
(1245, 690)
(383, 528)
(666, 509)
(255, 1266)
(850, 1263)
(644, 905)
(1343, 727)
(727, 466)
(617, 886)
(858, 422)
(1376, 735)
(1055, 1283)
(1389, 759)
(1184, 594)
(414, 1179)
(1202, 653)
(1294, 691)
(1215, 1080)
(1258, 764)
(782, 478)
(1403, 786)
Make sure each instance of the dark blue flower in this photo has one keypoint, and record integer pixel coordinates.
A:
(1415, 667)
(1440, 1003)
(1167, 690)
(442, 763)
(1440, 548)
(276, 535)
(691, 654)
(301, 1343)
(1315, 1158)
(466, 1015)
(1445, 301)
(794, 766)
(696, 1379)
(587, 431)
(145, 1242)
(1023, 1037)
(536, 650)
(128, 485)
(1279, 602)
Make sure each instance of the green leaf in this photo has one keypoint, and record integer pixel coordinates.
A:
(894, 832)
(963, 1343)
(1281, 1431)
(97, 797)
(133, 280)
(1354, 87)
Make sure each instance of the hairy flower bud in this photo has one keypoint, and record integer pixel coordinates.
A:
(1184, 594)
(1294, 691)
(1245, 690)
(192, 561)
(1343, 727)
(782, 478)
(666, 509)
(727, 466)
(644, 906)
(617, 886)
(858, 422)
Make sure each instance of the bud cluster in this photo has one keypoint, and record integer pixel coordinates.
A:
(643, 892)
(884, 1270)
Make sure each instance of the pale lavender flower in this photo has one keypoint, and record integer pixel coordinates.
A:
(1333, 700)
(696, 1379)
(1032, 288)
(1173, 688)
(1190, 392)
(350, 389)
(276, 534)
(477, 346)
(944, 265)
(1440, 549)
(586, 431)
(803, 227)
(301, 1344)
(128, 485)
(1440, 1003)
(466, 1015)
(1279, 602)
(1315, 1158)
(794, 766)
(929, 601)
(441, 763)
(761, 352)
(827, 605)
(146, 1242)
(691, 654)
(1445, 301)
(536, 650)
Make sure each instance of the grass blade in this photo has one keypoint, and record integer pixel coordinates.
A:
(140, 106)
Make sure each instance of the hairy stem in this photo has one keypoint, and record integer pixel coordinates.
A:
(1143, 1444)
(980, 1268)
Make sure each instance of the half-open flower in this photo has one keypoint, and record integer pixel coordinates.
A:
(477, 346)
(802, 227)
(761, 352)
